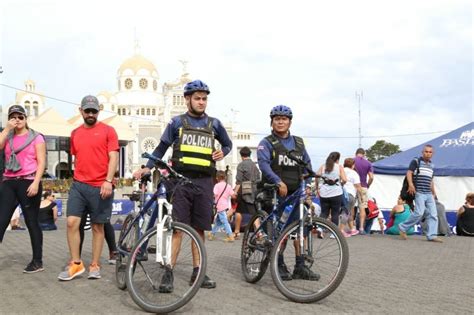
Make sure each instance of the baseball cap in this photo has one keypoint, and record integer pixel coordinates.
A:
(16, 109)
(91, 102)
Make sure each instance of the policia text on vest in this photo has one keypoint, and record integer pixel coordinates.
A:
(197, 141)
(284, 167)
(193, 151)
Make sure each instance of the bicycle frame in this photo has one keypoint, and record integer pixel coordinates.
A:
(297, 200)
(157, 218)
(163, 253)
(157, 212)
(164, 224)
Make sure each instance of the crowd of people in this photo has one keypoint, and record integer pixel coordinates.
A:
(341, 194)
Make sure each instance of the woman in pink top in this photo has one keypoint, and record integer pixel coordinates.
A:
(222, 194)
(25, 159)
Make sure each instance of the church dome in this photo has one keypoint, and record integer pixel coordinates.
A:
(135, 65)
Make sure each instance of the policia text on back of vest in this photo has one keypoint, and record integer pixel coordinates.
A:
(193, 151)
(284, 167)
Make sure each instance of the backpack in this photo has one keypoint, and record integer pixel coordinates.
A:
(404, 191)
(372, 208)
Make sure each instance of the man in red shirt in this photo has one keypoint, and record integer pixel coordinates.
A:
(95, 147)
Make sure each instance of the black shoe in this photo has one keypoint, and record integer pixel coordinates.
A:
(206, 284)
(285, 275)
(151, 249)
(166, 285)
(33, 267)
(113, 256)
(304, 273)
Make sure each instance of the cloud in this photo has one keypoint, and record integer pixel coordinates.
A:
(411, 59)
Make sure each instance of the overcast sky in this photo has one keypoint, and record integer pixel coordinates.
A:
(412, 60)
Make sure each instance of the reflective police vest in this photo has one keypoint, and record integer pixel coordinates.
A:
(193, 151)
(287, 169)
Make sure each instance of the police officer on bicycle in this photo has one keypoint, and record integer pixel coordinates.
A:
(192, 136)
(277, 168)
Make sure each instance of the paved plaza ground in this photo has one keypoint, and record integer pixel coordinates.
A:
(385, 276)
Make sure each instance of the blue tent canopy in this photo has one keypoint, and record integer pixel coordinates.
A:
(453, 155)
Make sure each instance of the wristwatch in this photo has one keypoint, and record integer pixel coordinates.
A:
(108, 180)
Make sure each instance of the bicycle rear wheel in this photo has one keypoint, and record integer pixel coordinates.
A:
(321, 267)
(145, 275)
(126, 244)
(255, 252)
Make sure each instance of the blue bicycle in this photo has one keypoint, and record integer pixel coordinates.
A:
(136, 223)
(153, 247)
(290, 232)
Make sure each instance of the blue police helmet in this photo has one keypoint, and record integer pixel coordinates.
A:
(281, 110)
(196, 86)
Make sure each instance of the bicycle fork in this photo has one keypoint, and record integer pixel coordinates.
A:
(305, 243)
(164, 234)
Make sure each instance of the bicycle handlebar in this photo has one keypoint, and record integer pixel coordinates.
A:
(292, 156)
(145, 179)
(159, 163)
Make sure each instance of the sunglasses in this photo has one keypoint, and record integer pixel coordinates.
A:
(17, 117)
(91, 111)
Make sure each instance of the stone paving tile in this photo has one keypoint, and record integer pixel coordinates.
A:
(385, 275)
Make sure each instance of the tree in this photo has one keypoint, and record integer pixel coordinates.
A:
(380, 150)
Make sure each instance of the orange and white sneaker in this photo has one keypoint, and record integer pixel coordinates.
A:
(94, 271)
(72, 271)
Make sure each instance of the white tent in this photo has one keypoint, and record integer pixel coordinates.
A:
(454, 169)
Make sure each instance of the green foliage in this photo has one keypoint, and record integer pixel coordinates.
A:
(57, 185)
(63, 185)
(381, 150)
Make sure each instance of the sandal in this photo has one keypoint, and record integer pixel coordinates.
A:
(236, 236)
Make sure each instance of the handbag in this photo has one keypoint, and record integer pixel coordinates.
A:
(373, 209)
(247, 188)
(345, 197)
(404, 194)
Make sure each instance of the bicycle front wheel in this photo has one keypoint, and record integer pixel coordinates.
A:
(160, 288)
(255, 252)
(126, 243)
(318, 269)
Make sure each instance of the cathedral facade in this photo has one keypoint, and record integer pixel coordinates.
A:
(142, 104)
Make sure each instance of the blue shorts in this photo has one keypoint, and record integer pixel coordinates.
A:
(193, 207)
(86, 198)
